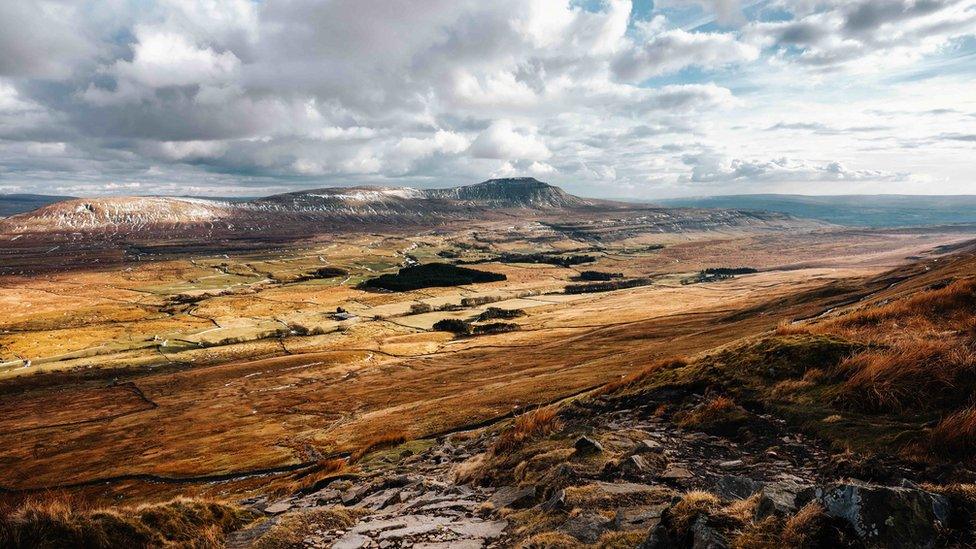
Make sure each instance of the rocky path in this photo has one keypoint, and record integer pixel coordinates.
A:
(414, 505)
(649, 461)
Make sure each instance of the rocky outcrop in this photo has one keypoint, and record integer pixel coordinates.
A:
(884, 516)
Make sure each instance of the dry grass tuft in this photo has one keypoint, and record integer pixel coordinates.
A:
(787, 328)
(530, 425)
(720, 413)
(955, 435)
(691, 505)
(380, 441)
(550, 540)
(631, 380)
(802, 528)
(908, 375)
(56, 520)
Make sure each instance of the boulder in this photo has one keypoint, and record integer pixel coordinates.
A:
(778, 499)
(513, 497)
(704, 536)
(731, 487)
(634, 467)
(647, 446)
(586, 446)
(587, 526)
(556, 503)
(884, 516)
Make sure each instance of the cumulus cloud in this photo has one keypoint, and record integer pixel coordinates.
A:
(180, 96)
(505, 141)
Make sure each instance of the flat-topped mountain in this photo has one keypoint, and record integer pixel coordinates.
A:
(520, 192)
(340, 209)
(363, 203)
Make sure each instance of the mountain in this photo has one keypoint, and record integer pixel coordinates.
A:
(13, 204)
(519, 192)
(303, 213)
(850, 210)
(129, 214)
(366, 204)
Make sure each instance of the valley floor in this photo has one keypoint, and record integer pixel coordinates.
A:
(239, 376)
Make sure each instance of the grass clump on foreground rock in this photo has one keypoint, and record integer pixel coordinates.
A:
(57, 521)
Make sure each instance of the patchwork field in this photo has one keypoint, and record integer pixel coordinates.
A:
(214, 373)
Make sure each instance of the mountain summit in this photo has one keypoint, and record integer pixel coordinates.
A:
(518, 192)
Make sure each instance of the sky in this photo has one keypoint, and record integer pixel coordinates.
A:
(611, 98)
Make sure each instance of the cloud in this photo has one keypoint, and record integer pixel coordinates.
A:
(218, 95)
(865, 35)
(503, 140)
(42, 39)
(676, 49)
(713, 168)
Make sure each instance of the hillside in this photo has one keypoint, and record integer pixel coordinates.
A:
(310, 212)
(850, 210)
(852, 429)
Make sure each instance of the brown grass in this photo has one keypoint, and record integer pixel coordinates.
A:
(380, 441)
(717, 412)
(322, 470)
(691, 505)
(951, 306)
(530, 425)
(634, 379)
(802, 528)
(786, 328)
(955, 435)
(907, 376)
(56, 520)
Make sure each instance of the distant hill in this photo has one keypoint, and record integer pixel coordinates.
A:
(13, 204)
(850, 210)
(298, 214)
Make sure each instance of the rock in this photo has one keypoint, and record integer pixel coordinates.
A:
(350, 541)
(479, 529)
(555, 503)
(777, 499)
(354, 494)
(634, 466)
(379, 500)
(705, 536)
(675, 472)
(278, 508)
(586, 446)
(627, 488)
(884, 516)
(647, 446)
(731, 464)
(457, 504)
(732, 487)
(512, 496)
(587, 526)
(326, 496)
(455, 544)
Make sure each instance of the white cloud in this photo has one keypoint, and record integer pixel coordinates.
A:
(225, 94)
(673, 50)
(711, 168)
(505, 141)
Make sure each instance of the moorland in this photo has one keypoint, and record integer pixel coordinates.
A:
(303, 353)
